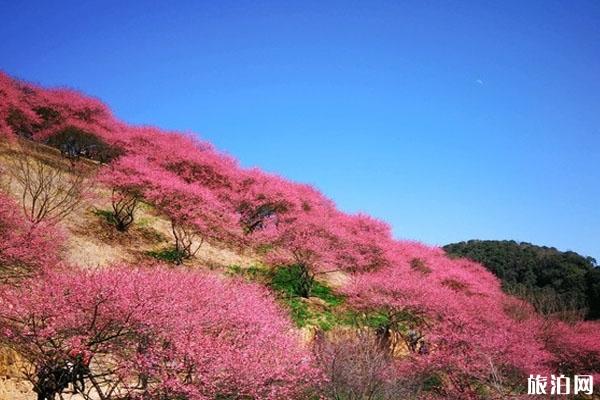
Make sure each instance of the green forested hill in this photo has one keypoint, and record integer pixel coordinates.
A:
(534, 271)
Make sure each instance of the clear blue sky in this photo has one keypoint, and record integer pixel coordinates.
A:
(450, 120)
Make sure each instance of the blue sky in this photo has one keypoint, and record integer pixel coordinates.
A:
(450, 120)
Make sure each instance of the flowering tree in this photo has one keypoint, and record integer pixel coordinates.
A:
(365, 243)
(261, 199)
(358, 368)
(196, 215)
(25, 249)
(185, 157)
(291, 223)
(16, 117)
(76, 124)
(575, 348)
(128, 178)
(154, 334)
(450, 317)
(195, 211)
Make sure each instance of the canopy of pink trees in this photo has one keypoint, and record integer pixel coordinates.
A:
(26, 249)
(457, 319)
(183, 333)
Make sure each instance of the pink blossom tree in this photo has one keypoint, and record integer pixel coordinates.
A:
(450, 317)
(127, 178)
(66, 119)
(26, 249)
(575, 347)
(189, 159)
(293, 225)
(16, 116)
(295, 230)
(195, 213)
(122, 333)
(365, 243)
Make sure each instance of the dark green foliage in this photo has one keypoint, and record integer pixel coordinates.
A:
(373, 320)
(540, 271)
(106, 215)
(74, 142)
(326, 294)
(295, 280)
(170, 255)
(432, 383)
(593, 292)
(48, 116)
(19, 123)
(287, 283)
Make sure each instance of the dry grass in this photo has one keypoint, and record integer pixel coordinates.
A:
(336, 279)
(10, 386)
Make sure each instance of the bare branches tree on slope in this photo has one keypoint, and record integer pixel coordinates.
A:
(48, 190)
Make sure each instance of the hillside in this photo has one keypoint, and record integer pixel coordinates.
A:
(537, 271)
(140, 263)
